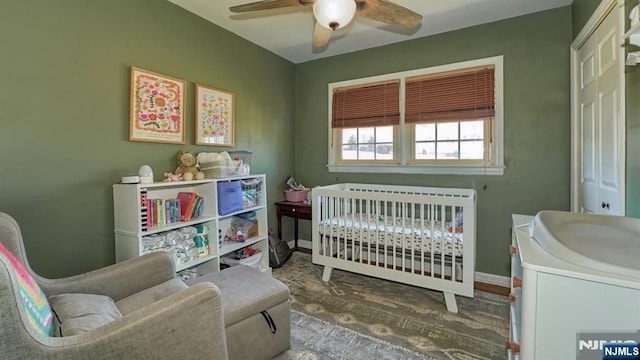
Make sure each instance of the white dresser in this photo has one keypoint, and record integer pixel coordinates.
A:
(553, 300)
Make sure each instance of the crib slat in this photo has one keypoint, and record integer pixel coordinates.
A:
(453, 238)
(441, 228)
(432, 228)
(391, 237)
(421, 248)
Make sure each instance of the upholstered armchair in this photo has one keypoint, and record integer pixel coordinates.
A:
(135, 309)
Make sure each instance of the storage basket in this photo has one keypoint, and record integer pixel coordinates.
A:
(229, 197)
(251, 191)
(296, 196)
(241, 162)
(217, 169)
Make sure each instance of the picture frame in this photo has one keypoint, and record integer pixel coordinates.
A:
(157, 107)
(214, 116)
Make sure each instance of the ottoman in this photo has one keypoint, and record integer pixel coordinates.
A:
(257, 312)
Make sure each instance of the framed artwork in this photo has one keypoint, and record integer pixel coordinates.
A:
(157, 108)
(214, 116)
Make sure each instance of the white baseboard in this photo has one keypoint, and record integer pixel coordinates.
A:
(301, 243)
(490, 279)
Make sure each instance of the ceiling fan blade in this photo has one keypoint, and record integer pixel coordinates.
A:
(388, 12)
(321, 35)
(269, 4)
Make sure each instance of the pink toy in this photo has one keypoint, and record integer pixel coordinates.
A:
(172, 177)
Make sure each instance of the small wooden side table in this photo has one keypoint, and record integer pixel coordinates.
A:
(295, 210)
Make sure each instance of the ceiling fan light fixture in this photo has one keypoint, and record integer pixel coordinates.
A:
(333, 14)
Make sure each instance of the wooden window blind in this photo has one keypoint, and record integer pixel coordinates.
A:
(461, 95)
(375, 104)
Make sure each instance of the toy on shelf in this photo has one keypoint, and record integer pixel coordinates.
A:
(187, 166)
(169, 177)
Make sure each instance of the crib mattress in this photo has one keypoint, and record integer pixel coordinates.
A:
(408, 234)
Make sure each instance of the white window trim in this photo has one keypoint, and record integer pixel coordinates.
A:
(404, 168)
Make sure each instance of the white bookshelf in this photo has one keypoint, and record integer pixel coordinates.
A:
(129, 225)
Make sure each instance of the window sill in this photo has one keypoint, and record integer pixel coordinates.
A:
(405, 169)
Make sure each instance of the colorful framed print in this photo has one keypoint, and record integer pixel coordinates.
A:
(157, 108)
(214, 116)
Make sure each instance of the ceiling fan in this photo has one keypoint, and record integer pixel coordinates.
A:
(331, 15)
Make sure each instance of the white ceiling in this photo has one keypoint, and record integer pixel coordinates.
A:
(288, 31)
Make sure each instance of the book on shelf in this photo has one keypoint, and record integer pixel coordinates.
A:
(198, 210)
(172, 210)
(197, 206)
(162, 212)
(187, 199)
(150, 216)
(156, 211)
(191, 205)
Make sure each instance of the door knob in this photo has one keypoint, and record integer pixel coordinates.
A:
(605, 205)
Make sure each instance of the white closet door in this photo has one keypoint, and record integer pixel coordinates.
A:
(601, 183)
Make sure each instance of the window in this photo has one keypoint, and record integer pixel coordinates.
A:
(370, 143)
(443, 120)
(460, 140)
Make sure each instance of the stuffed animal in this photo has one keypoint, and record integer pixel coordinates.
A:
(170, 177)
(187, 166)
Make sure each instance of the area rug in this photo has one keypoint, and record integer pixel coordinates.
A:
(382, 317)
(315, 339)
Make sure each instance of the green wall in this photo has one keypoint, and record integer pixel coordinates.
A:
(632, 93)
(537, 119)
(632, 78)
(64, 113)
(581, 12)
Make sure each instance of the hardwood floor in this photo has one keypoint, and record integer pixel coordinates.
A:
(304, 250)
(490, 288)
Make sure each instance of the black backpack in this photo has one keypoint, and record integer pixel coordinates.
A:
(279, 251)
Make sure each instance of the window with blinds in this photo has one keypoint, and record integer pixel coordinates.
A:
(445, 119)
(451, 114)
(366, 116)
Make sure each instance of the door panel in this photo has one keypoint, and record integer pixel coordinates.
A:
(587, 67)
(608, 160)
(608, 52)
(588, 140)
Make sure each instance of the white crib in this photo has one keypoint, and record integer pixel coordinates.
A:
(415, 235)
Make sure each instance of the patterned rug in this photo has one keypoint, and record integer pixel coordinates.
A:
(359, 317)
(315, 339)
